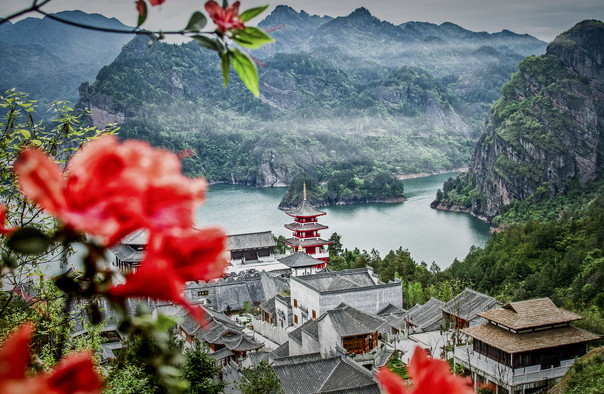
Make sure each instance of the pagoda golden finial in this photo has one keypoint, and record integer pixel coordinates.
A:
(300, 248)
(304, 191)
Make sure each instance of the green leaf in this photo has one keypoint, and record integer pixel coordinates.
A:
(207, 42)
(197, 22)
(25, 133)
(252, 12)
(143, 16)
(245, 67)
(225, 62)
(28, 240)
(251, 37)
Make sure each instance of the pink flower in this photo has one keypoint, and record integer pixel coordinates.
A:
(4, 230)
(429, 375)
(74, 374)
(112, 188)
(225, 19)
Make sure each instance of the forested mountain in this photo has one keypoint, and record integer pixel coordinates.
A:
(336, 94)
(49, 60)
(545, 136)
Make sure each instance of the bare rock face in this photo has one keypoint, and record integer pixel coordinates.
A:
(549, 126)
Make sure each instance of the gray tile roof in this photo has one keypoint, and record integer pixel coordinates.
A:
(252, 286)
(312, 226)
(306, 242)
(299, 259)
(138, 237)
(349, 321)
(297, 358)
(425, 315)
(127, 253)
(251, 241)
(311, 327)
(469, 303)
(222, 353)
(305, 209)
(388, 309)
(327, 375)
(269, 306)
(281, 351)
(296, 334)
(340, 280)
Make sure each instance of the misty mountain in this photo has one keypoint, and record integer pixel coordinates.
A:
(49, 60)
(339, 94)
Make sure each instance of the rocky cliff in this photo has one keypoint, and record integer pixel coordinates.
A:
(549, 126)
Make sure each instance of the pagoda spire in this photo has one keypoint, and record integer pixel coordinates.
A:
(304, 191)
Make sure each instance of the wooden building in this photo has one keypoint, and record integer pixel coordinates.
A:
(523, 345)
(305, 228)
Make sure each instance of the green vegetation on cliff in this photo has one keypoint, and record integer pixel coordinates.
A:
(343, 187)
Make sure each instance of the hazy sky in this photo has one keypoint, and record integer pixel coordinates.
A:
(542, 18)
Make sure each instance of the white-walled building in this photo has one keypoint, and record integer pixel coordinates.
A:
(313, 295)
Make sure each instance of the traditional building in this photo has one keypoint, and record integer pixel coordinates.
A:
(313, 295)
(251, 247)
(462, 311)
(225, 338)
(301, 263)
(128, 254)
(332, 374)
(524, 345)
(343, 329)
(306, 229)
(426, 317)
(232, 292)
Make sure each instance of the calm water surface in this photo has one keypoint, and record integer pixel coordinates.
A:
(429, 235)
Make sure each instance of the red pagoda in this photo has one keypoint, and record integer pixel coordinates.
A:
(306, 232)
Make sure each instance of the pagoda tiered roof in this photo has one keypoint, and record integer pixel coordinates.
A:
(306, 243)
(312, 226)
(304, 209)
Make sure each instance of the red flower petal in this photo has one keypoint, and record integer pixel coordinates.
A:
(4, 230)
(75, 374)
(14, 354)
(154, 279)
(156, 2)
(391, 382)
(194, 254)
(432, 375)
(40, 179)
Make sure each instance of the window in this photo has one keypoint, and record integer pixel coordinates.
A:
(295, 303)
(296, 319)
(314, 314)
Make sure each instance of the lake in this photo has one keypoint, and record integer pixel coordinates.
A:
(428, 234)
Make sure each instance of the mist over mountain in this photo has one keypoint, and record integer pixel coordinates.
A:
(339, 94)
(49, 59)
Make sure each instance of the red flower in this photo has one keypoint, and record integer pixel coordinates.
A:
(4, 230)
(429, 375)
(172, 258)
(225, 19)
(74, 374)
(140, 5)
(112, 189)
